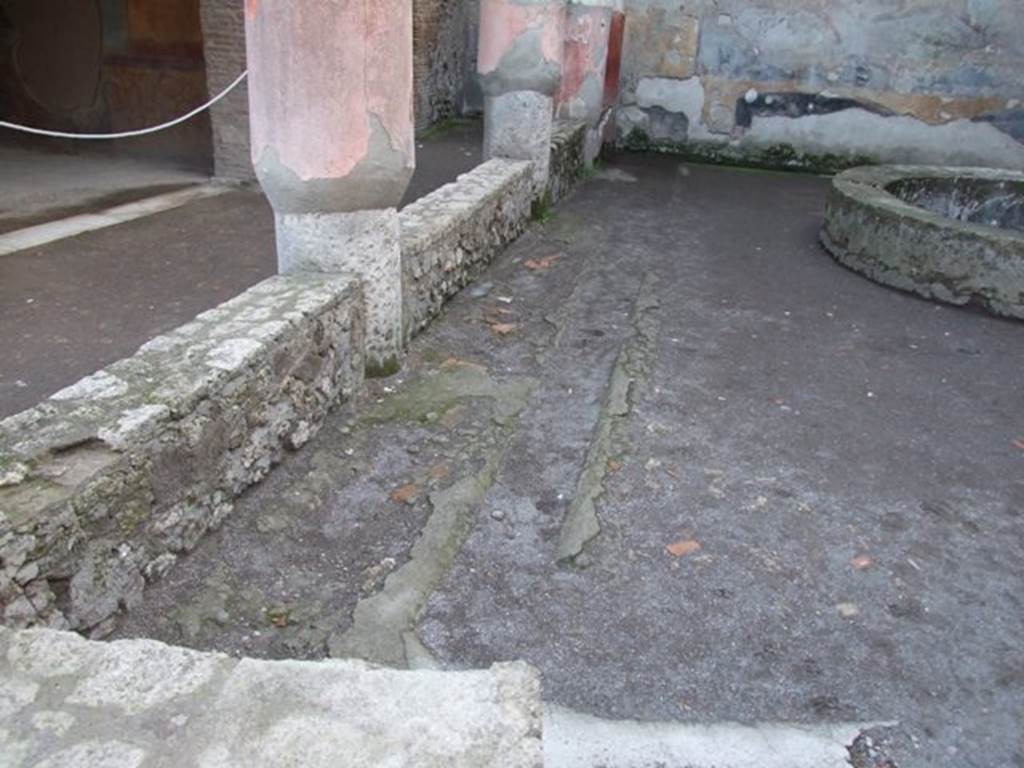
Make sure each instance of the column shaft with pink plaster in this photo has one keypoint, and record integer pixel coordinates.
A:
(520, 67)
(584, 60)
(331, 113)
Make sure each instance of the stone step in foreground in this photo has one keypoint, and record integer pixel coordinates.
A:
(577, 740)
(67, 701)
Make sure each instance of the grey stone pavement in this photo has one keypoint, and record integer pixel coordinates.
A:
(38, 186)
(669, 452)
(95, 298)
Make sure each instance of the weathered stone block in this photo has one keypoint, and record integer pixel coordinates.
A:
(67, 701)
(517, 125)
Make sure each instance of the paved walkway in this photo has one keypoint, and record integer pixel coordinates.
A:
(73, 306)
(669, 452)
(37, 186)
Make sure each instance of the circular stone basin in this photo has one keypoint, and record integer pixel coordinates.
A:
(952, 234)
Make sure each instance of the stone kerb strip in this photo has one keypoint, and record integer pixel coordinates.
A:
(74, 702)
(103, 485)
(872, 231)
(452, 233)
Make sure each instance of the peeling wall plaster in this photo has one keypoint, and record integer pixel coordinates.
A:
(885, 80)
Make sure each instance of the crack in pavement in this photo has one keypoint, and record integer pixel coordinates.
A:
(581, 524)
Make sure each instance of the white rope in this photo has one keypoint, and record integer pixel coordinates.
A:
(126, 134)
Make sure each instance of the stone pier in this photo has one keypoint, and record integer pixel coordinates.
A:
(331, 110)
(520, 67)
(580, 96)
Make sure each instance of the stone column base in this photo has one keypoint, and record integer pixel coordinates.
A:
(362, 243)
(517, 125)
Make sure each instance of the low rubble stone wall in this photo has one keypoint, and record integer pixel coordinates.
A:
(568, 158)
(106, 483)
(451, 234)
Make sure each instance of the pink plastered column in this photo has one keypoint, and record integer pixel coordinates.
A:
(331, 115)
(520, 67)
(584, 61)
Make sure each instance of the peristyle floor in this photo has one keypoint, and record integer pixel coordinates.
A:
(38, 186)
(670, 453)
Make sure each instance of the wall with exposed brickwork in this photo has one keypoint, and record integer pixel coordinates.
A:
(224, 45)
(440, 66)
